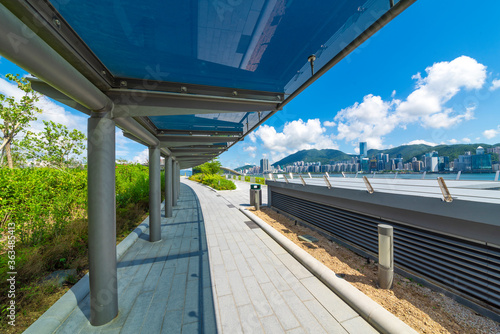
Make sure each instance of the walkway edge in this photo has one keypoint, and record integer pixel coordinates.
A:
(371, 311)
(64, 306)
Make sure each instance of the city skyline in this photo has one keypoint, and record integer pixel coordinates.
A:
(438, 84)
(480, 162)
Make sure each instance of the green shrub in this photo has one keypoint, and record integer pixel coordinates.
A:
(260, 180)
(48, 207)
(215, 181)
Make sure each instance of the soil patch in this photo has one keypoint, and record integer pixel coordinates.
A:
(424, 310)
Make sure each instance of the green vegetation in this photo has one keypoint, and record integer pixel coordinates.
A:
(260, 180)
(16, 115)
(48, 208)
(210, 174)
(55, 145)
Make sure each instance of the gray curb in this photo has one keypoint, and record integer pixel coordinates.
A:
(373, 313)
(57, 313)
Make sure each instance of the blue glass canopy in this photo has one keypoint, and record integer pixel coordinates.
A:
(190, 76)
(256, 45)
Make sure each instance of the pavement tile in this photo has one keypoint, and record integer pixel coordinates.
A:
(229, 318)
(271, 325)
(336, 306)
(358, 325)
(280, 307)
(249, 319)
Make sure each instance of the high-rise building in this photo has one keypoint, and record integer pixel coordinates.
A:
(481, 162)
(264, 166)
(479, 150)
(363, 149)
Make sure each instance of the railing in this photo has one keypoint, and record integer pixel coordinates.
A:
(447, 190)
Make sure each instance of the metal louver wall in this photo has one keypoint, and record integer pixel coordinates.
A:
(471, 269)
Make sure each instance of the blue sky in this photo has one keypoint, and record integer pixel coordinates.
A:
(432, 75)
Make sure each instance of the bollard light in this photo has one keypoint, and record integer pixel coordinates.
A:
(385, 256)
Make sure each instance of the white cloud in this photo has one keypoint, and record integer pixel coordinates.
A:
(142, 157)
(329, 124)
(492, 133)
(495, 84)
(251, 150)
(374, 118)
(297, 135)
(252, 137)
(466, 140)
(420, 142)
(367, 121)
(453, 141)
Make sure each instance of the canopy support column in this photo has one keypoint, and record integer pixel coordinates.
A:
(168, 186)
(178, 178)
(154, 194)
(102, 219)
(174, 183)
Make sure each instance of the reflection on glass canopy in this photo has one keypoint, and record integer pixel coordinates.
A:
(239, 123)
(259, 45)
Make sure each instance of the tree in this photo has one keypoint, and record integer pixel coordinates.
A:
(55, 145)
(16, 115)
(211, 167)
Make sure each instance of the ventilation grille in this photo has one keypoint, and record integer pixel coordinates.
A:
(471, 268)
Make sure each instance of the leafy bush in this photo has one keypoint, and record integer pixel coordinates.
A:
(218, 182)
(48, 207)
(41, 201)
(132, 184)
(260, 180)
(215, 181)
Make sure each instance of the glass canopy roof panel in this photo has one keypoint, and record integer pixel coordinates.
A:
(227, 122)
(260, 45)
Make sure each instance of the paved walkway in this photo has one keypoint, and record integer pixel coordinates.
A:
(216, 271)
(259, 287)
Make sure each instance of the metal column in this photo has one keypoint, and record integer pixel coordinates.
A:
(154, 194)
(174, 184)
(168, 186)
(178, 178)
(102, 219)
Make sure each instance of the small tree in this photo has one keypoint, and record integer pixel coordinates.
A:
(16, 115)
(211, 167)
(56, 145)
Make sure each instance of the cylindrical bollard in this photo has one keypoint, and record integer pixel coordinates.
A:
(385, 256)
(257, 200)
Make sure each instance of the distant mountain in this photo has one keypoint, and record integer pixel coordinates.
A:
(323, 156)
(406, 151)
(244, 167)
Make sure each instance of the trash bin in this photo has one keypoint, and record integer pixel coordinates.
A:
(253, 189)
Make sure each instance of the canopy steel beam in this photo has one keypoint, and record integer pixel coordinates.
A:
(200, 147)
(176, 151)
(197, 154)
(200, 132)
(38, 58)
(154, 103)
(195, 139)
